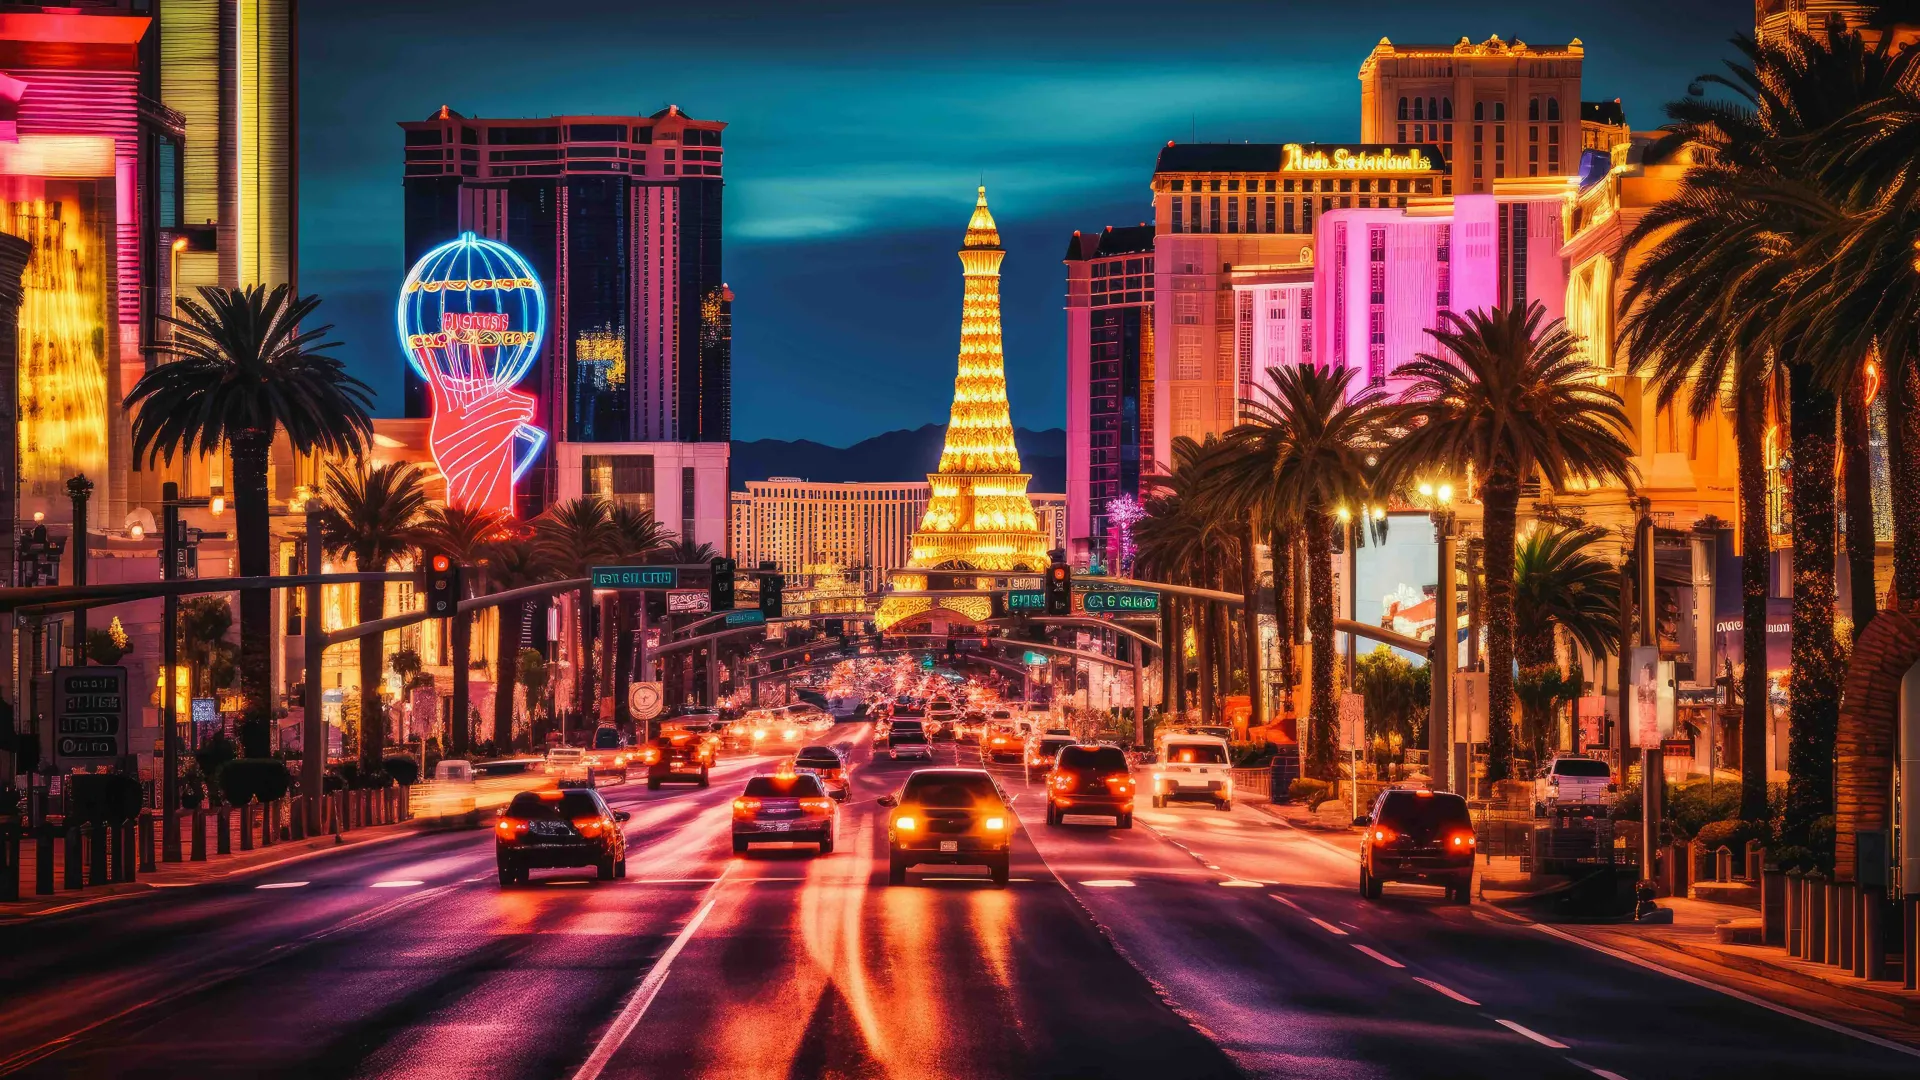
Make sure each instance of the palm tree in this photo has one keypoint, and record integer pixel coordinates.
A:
(371, 514)
(467, 535)
(515, 564)
(1305, 450)
(1559, 582)
(573, 537)
(638, 537)
(1185, 540)
(243, 372)
(1510, 400)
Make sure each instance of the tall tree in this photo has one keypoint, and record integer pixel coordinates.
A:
(1510, 397)
(1559, 582)
(372, 514)
(516, 563)
(1181, 540)
(242, 372)
(572, 537)
(1306, 445)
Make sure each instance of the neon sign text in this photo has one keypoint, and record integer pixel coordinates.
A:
(1300, 159)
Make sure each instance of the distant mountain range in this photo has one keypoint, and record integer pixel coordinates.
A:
(894, 455)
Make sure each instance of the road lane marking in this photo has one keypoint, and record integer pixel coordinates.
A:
(1288, 902)
(1108, 883)
(1382, 957)
(1447, 990)
(282, 885)
(1596, 1070)
(1530, 1033)
(649, 988)
(397, 883)
(1783, 1010)
(1237, 883)
(1327, 926)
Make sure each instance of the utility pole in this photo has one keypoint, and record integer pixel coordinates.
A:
(170, 552)
(1440, 664)
(79, 489)
(1653, 781)
(313, 731)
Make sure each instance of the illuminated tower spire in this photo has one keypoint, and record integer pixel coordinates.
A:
(979, 517)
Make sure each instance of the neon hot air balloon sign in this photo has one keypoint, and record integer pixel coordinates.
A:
(471, 318)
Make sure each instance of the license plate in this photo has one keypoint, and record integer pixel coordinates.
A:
(949, 845)
(776, 826)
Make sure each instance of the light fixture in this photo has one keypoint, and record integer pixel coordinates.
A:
(137, 531)
(39, 516)
(1444, 493)
(1426, 489)
(217, 505)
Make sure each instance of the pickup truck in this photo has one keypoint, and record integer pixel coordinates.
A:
(1569, 780)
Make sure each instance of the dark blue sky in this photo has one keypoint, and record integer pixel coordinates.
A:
(858, 132)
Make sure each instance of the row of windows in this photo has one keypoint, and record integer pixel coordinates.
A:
(1122, 266)
(1186, 216)
(1433, 108)
(1440, 133)
(529, 136)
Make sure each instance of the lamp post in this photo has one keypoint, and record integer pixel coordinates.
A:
(1440, 662)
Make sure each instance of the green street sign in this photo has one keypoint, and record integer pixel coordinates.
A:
(745, 617)
(1026, 600)
(636, 577)
(1122, 601)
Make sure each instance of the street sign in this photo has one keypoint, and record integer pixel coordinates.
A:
(643, 700)
(636, 577)
(1026, 600)
(688, 601)
(1121, 601)
(89, 716)
(745, 617)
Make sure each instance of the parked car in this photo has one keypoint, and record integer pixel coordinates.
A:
(679, 757)
(567, 828)
(1420, 836)
(1194, 767)
(1570, 780)
(825, 763)
(949, 817)
(1090, 779)
(786, 808)
(1040, 752)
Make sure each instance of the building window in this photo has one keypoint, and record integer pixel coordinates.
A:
(1287, 221)
(686, 503)
(1270, 211)
(1213, 213)
(1340, 294)
(1499, 111)
(1376, 306)
(1403, 113)
(623, 479)
(1306, 325)
(1193, 213)
(1177, 185)
(1233, 215)
(1306, 215)
(1553, 110)
(1479, 112)
(1446, 108)
(1176, 213)
(1533, 109)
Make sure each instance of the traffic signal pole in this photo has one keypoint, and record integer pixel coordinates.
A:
(313, 642)
(169, 663)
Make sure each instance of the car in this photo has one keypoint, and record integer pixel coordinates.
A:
(1002, 742)
(1088, 778)
(676, 757)
(572, 827)
(825, 763)
(1193, 767)
(451, 798)
(1040, 752)
(606, 753)
(908, 739)
(784, 808)
(949, 817)
(1572, 781)
(566, 763)
(1420, 836)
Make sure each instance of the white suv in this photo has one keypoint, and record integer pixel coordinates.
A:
(1194, 767)
(1570, 780)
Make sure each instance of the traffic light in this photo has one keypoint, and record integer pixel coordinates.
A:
(1059, 589)
(770, 587)
(720, 590)
(443, 586)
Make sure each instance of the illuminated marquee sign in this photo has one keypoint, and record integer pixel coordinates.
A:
(1384, 159)
(471, 318)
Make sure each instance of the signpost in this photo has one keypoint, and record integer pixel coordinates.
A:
(1026, 600)
(89, 716)
(644, 700)
(745, 617)
(1121, 601)
(636, 577)
(688, 601)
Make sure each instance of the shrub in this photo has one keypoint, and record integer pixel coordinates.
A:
(213, 755)
(403, 770)
(1733, 833)
(244, 779)
(1310, 791)
(1693, 805)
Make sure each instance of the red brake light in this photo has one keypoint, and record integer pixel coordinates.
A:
(441, 563)
(590, 826)
(745, 806)
(1381, 836)
(510, 827)
(1464, 840)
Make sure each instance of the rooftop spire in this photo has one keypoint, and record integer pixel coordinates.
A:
(981, 231)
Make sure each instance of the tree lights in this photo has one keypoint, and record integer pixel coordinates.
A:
(471, 317)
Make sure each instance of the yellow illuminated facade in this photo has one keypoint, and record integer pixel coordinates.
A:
(979, 516)
(63, 338)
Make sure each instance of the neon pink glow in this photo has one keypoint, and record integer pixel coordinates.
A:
(473, 438)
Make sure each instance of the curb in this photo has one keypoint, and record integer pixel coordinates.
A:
(1857, 996)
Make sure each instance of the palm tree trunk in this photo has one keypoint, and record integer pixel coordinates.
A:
(1815, 682)
(1857, 485)
(1323, 719)
(1280, 542)
(1501, 497)
(370, 607)
(250, 512)
(1749, 439)
(1250, 622)
(1167, 605)
(608, 637)
(1177, 651)
(1203, 631)
(460, 731)
(506, 651)
(582, 658)
(623, 607)
(1903, 453)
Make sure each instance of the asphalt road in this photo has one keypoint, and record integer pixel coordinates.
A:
(1198, 943)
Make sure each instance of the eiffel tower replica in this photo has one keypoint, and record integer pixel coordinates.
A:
(979, 521)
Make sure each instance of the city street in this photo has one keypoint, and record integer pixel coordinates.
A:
(1199, 943)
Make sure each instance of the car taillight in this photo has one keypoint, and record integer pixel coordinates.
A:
(905, 824)
(745, 806)
(650, 757)
(1463, 840)
(588, 826)
(1120, 782)
(816, 806)
(1062, 780)
(994, 824)
(508, 828)
(1381, 836)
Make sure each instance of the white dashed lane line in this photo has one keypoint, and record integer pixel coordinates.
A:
(1327, 926)
(282, 885)
(1448, 991)
(1529, 1033)
(398, 883)
(1603, 1074)
(1380, 956)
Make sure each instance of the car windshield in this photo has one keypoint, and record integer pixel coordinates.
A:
(949, 790)
(818, 753)
(1052, 746)
(1580, 767)
(1415, 810)
(909, 736)
(1097, 758)
(544, 806)
(802, 786)
(1197, 754)
(606, 739)
(902, 726)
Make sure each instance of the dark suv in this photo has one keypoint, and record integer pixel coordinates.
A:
(1090, 780)
(682, 757)
(954, 817)
(571, 827)
(1420, 836)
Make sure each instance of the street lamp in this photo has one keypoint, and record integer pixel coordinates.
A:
(1440, 662)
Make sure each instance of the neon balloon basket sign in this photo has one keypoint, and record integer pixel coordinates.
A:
(471, 319)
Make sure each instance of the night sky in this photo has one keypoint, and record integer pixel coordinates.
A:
(858, 132)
